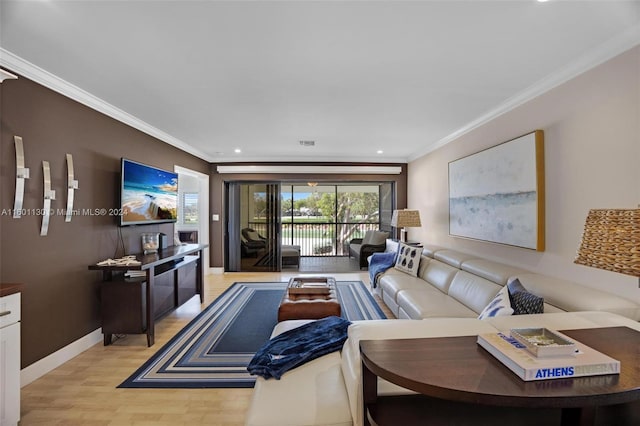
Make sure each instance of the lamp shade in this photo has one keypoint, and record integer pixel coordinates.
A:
(406, 219)
(611, 241)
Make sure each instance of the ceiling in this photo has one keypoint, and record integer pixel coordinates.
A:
(355, 77)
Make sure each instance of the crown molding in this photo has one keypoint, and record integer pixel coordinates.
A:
(591, 59)
(597, 56)
(55, 83)
(6, 75)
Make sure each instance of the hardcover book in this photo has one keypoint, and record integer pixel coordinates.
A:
(585, 362)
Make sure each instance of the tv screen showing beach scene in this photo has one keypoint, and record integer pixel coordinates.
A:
(148, 194)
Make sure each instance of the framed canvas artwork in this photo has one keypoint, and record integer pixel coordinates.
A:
(497, 195)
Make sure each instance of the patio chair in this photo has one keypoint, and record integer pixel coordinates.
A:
(251, 242)
(362, 248)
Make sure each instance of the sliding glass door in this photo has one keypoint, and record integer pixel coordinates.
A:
(253, 227)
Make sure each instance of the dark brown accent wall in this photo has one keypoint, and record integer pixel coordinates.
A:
(217, 183)
(60, 296)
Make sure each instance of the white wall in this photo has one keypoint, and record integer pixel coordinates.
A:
(193, 181)
(592, 159)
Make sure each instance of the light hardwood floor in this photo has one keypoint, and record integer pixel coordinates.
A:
(83, 390)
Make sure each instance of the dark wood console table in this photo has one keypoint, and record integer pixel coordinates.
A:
(173, 275)
(457, 370)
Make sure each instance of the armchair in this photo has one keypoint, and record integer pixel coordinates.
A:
(362, 248)
(251, 242)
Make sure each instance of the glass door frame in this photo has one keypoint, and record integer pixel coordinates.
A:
(237, 204)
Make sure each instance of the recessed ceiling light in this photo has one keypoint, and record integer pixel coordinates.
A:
(237, 150)
(379, 151)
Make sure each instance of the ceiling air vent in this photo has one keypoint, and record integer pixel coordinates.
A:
(308, 143)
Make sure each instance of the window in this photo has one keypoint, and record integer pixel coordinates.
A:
(322, 218)
(190, 208)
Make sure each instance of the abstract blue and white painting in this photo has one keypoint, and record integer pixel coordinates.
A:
(494, 194)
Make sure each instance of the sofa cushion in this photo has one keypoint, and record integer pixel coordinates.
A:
(253, 235)
(392, 284)
(473, 291)
(571, 296)
(375, 238)
(283, 326)
(522, 301)
(427, 303)
(500, 306)
(452, 257)
(318, 384)
(438, 274)
(408, 259)
(394, 281)
(493, 271)
(429, 249)
(313, 394)
(563, 321)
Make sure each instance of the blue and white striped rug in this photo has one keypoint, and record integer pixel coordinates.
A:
(214, 349)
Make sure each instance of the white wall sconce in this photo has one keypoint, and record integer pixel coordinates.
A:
(72, 185)
(49, 194)
(22, 173)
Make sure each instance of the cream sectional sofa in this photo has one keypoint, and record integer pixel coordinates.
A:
(449, 292)
(455, 284)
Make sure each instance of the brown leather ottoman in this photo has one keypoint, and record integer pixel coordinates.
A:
(309, 306)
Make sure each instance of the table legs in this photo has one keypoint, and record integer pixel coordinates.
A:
(369, 393)
(149, 312)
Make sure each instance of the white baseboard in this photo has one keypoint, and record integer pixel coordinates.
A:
(56, 359)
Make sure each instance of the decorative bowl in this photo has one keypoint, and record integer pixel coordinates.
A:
(542, 342)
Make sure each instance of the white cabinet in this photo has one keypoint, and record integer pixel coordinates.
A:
(10, 360)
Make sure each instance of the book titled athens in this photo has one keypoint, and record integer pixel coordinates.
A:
(586, 361)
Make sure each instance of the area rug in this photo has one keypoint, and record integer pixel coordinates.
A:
(214, 349)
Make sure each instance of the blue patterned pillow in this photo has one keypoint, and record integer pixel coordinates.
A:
(500, 306)
(408, 259)
(522, 301)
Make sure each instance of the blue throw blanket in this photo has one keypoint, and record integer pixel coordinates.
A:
(298, 346)
(379, 263)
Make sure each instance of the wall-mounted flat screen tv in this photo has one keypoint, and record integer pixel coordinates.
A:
(147, 194)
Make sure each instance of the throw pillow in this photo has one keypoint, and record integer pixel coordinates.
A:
(500, 306)
(253, 235)
(378, 238)
(408, 259)
(367, 237)
(522, 301)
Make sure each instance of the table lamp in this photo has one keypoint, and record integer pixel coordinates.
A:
(611, 241)
(403, 219)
